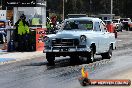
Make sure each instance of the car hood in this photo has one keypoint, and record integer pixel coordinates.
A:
(70, 34)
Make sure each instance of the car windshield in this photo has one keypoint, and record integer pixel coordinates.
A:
(2, 24)
(78, 24)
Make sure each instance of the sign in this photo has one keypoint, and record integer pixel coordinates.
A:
(2, 14)
(25, 3)
(85, 81)
(40, 33)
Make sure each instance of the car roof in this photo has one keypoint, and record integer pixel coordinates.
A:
(85, 18)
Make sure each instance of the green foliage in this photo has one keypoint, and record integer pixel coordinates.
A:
(120, 7)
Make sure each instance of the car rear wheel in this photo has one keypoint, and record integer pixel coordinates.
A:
(50, 58)
(108, 54)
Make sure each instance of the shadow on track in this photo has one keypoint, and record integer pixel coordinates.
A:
(60, 63)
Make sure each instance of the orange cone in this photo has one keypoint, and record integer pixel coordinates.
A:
(84, 73)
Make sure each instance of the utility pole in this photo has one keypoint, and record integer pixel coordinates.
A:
(75, 6)
(63, 17)
(111, 12)
(1, 4)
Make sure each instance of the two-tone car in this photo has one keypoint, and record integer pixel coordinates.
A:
(80, 37)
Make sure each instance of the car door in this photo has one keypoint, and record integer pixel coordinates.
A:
(104, 43)
(98, 37)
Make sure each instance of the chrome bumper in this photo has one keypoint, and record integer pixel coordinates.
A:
(66, 49)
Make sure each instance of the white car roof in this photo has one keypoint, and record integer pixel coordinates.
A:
(85, 18)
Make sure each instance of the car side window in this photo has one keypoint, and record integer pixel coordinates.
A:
(97, 26)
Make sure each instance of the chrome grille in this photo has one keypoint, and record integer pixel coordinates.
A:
(65, 42)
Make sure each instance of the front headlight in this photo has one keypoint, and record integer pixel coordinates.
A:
(83, 39)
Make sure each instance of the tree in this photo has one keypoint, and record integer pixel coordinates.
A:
(120, 7)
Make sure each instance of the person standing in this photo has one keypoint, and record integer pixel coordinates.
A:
(111, 28)
(22, 30)
(53, 20)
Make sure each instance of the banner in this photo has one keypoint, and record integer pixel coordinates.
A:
(40, 33)
(25, 3)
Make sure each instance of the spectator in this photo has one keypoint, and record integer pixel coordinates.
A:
(22, 32)
(111, 28)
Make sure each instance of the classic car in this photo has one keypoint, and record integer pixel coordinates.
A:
(127, 23)
(80, 37)
(118, 24)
